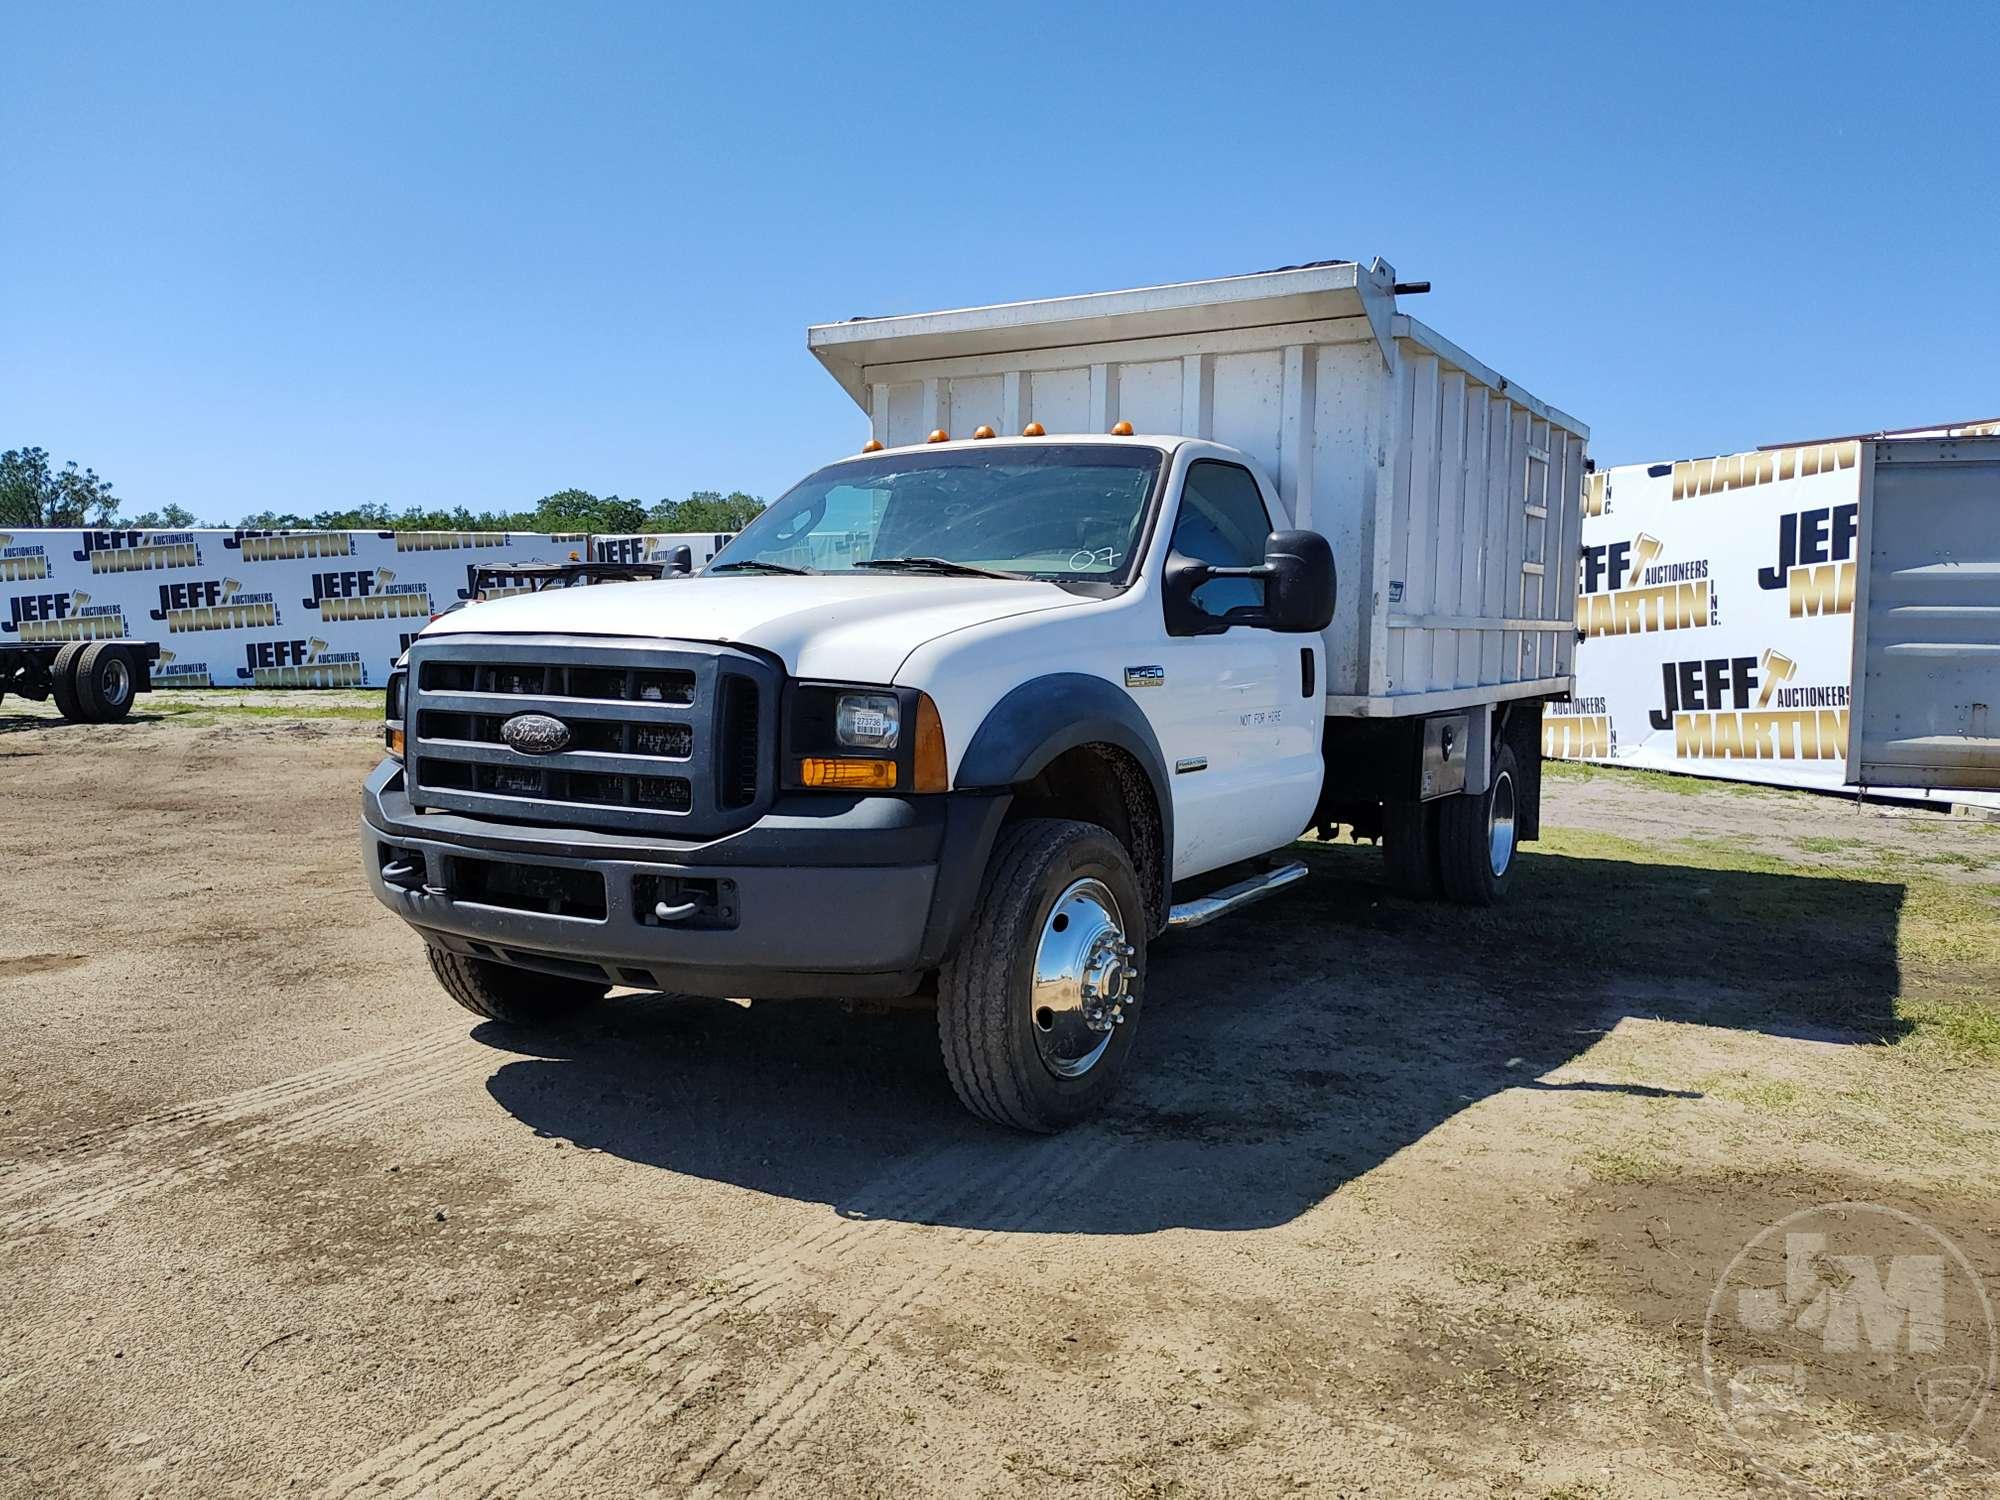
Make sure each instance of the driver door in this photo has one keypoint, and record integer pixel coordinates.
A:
(1238, 714)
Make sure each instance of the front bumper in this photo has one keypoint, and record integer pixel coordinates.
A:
(824, 895)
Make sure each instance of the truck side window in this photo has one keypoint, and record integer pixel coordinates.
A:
(1222, 520)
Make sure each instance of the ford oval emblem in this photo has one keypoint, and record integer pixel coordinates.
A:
(535, 734)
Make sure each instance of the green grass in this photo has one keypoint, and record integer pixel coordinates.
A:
(1817, 933)
(217, 712)
(1818, 845)
(1659, 781)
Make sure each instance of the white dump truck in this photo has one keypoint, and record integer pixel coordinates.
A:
(1056, 664)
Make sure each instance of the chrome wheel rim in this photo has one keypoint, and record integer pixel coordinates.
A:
(1500, 825)
(1081, 991)
(115, 685)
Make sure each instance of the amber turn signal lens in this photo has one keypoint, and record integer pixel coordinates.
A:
(938, 435)
(394, 740)
(871, 446)
(982, 432)
(1121, 429)
(1034, 429)
(929, 773)
(849, 772)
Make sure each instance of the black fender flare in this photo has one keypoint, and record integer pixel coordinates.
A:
(1046, 716)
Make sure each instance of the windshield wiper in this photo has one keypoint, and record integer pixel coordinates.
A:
(933, 565)
(759, 565)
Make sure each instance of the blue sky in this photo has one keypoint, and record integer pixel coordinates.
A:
(306, 256)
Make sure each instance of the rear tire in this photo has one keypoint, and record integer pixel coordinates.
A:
(1476, 835)
(1037, 1011)
(105, 684)
(1410, 848)
(515, 997)
(62, 682)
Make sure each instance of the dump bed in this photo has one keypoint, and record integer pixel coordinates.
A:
(1452, 497)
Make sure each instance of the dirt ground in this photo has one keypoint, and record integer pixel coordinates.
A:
(1403, 1201)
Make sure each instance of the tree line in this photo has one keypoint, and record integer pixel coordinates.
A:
(34, 492)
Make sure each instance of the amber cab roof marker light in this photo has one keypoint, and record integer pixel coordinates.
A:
(873, 445)
(938, 435)
(1121, 429)
(1034, 429)
(982, 431)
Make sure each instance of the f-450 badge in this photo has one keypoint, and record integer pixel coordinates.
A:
(1145, 677)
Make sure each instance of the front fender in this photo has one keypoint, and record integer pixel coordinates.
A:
(1046, 716)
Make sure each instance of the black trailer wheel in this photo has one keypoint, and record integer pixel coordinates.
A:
(62, 682)
(1410, 848)
(1036, 1011)
(1476, 835)
(105, 683)
(517, 997)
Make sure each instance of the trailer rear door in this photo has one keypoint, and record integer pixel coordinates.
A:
(1926, 709)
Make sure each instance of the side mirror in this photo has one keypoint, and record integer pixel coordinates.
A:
(680, 560)
(1303, 586)
(1300, 588)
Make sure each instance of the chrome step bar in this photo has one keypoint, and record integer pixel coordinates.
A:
(1205, 909)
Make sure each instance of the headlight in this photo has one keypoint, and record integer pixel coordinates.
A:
(868, 721)
(862, 739)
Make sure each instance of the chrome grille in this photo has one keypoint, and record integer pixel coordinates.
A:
(671, 738)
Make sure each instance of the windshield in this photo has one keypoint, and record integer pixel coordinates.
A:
(1064, 512)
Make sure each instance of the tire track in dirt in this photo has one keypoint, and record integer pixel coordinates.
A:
(93, 1174)
(808, 1385)
(548, 1423)
(803, 1392)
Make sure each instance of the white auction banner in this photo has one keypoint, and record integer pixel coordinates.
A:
(656, 546)
(1716, 615)
(251, 608)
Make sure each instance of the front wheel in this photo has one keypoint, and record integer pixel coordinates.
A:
(1476, 843)
(515, 997)
(1037, 1011)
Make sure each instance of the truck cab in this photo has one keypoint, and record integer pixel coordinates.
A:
(976, 717)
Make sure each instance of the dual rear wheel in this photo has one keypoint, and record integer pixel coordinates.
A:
(1461, 848)
(93, 682)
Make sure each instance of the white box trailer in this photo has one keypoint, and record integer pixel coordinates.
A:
(1926, 663)
(1451, 497)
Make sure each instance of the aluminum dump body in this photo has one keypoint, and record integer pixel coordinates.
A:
(1452, 497)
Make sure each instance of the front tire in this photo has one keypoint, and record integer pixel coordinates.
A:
(515, 997)
(1476, 836)
(1038, 1009)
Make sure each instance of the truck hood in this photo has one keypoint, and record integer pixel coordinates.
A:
(853, 627)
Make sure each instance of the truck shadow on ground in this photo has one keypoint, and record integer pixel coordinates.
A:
(1286, 1051)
